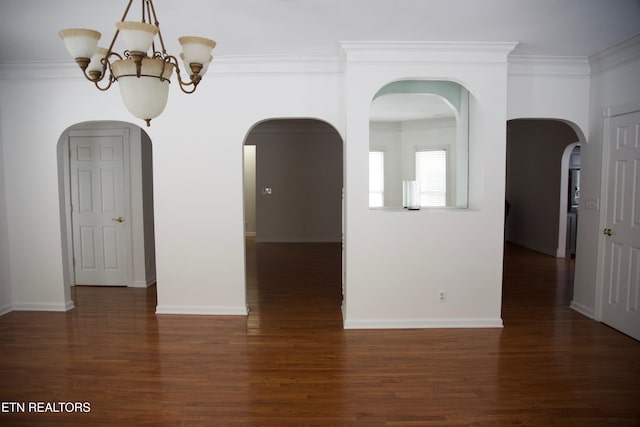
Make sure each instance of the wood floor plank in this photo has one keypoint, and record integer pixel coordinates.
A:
(290, 363)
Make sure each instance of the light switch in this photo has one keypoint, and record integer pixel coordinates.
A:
(266, 191)
(591, 203)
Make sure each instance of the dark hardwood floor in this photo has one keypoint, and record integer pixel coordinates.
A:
(290, 363)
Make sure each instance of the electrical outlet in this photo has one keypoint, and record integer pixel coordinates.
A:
(443, 296)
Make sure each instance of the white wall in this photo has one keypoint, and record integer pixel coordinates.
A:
(549, 88)
(197, 163)
(397, 262)
(198, 179)
(6, 300)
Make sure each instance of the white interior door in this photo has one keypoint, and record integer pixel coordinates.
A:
(621, 280)
(98, 209)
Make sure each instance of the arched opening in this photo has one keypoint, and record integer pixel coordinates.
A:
(419, 145)
(537, 184)
(105, 175)
(293, 178)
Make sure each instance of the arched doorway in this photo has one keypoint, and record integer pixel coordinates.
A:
(106, 205)
(293, 211)
(537, 183)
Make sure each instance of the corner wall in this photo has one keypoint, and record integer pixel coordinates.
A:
(614, 83)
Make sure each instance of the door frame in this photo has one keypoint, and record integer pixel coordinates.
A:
(127, 231)
(607, 114)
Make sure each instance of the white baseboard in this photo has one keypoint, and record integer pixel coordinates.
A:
(6, 309)
(142, 283)
(44, 307)
(524, 244)
(203, 310)
(582, 309)
(422, 323)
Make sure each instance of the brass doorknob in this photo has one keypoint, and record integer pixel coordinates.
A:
(119, 219)
(607, 232)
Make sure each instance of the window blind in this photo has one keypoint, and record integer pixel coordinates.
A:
(431, 173)
(376, 179)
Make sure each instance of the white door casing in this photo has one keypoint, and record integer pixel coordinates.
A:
(100, 227)
(620, 290)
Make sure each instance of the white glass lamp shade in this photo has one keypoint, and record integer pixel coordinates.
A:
(204, 69)
(80, 42)
(146, 96)
(96, 60)
(196, 50)
(137, 36)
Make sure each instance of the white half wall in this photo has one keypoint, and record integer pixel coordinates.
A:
(398, 262)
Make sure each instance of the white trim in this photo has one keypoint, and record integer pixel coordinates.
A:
(422, 323)
(203, 310)
(547, 251)
(295, 239)
(427, 52)
(582, 309)
(620, 110)
(6, 309)
(40, 70)
(279, 64)
(294, 126)
(619, 54)
(44, 307)
(604, 192)
(535, 65)
(139, 284)
(233, 64)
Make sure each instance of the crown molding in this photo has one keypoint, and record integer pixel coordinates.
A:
(39, 70)
(254, 64)
(537, 65)
(427, 52)
(277, 64)
(619, 54)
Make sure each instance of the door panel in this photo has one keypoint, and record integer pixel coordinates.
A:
(621, 284)
(97, 195)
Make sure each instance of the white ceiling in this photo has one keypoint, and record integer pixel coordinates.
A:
(28, 28)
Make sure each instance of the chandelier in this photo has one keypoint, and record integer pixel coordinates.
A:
(142, 72)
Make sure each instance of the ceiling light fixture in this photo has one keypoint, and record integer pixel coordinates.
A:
(142, 72)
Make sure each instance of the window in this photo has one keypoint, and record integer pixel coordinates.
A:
(376, 179)
(431, 173)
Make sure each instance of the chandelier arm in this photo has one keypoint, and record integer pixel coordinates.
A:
(184, 86)
(110, 82)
